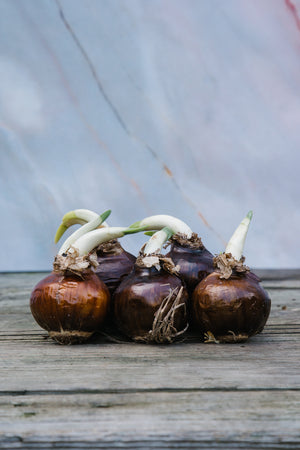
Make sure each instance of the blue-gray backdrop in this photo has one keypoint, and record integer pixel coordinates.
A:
(190, 108)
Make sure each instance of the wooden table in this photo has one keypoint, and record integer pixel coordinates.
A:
(125, 395)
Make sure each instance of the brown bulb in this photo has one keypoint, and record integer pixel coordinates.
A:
(140, 296)
(114, 264)
(230, 309)
(194, 263)
(70, 307)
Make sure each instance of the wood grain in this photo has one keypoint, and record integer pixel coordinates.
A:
(126, 395)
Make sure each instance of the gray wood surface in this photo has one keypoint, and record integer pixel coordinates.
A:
(126, 395)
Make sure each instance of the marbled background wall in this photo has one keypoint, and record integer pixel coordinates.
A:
(183, 107)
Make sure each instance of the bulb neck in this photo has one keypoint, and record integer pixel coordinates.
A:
(158, 262)
(73, 263)
(194, 242)
(145, 271)
(227, 265)
(112, 247)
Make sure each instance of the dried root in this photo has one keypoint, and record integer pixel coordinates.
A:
(230, 338)
(210, 338)
(163, 330)
(65, 337)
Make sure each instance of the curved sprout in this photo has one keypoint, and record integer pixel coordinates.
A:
(78, 216)
(160, 221)
(81, 231)
(86, 243)
(156, 242)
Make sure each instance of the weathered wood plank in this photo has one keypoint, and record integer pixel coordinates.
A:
(212, 365)
(187, 395)
(153, 420)
(278, 274)
(265, 362)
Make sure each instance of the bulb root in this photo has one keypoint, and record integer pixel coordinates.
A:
(209, 338)
(65, 337)
(232, 338)
(163, 329)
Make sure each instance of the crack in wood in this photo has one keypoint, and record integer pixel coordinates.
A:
(44, 392)
(154, 442)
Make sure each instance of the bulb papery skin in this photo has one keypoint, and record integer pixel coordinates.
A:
(139, 297)
(231, 309)
(113, 267)
(194, 264)
(70, 307)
